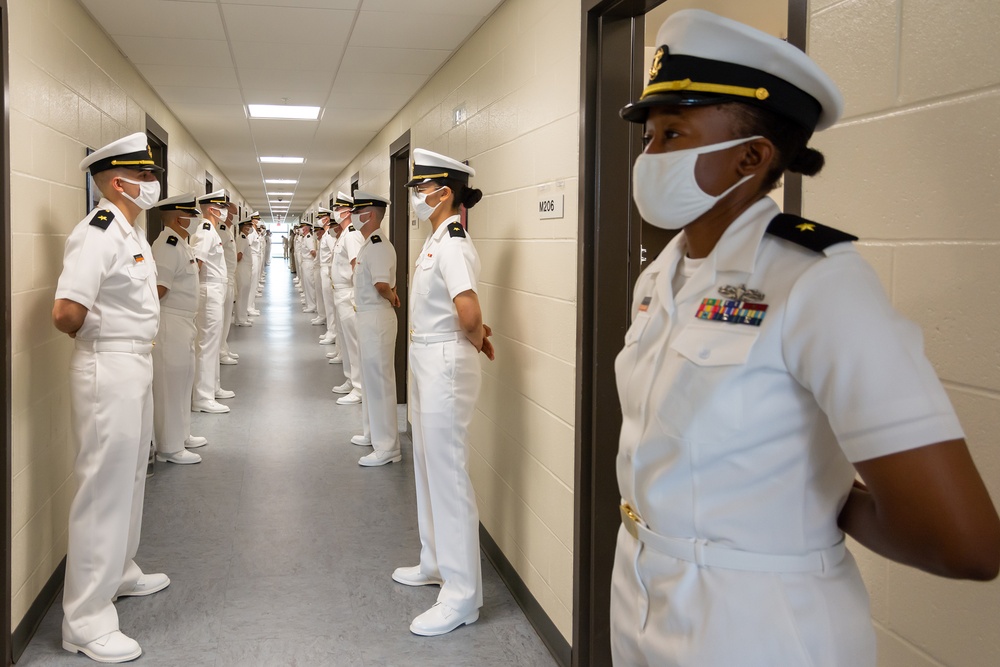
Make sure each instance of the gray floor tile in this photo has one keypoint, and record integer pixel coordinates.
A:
(279, 546)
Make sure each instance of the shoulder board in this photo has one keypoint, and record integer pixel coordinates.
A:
(351, 228)
(376, 238)
(455, 230)
(172, 240)
(243, 236)
(102, 219)
(806, 233)
(207, 225)
(222, 228)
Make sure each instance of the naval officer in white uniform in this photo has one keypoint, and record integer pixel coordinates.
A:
(178, 288)
(763, 371)
(446, 336)
(210, 252)
(345, 255)
(244, 274)
(331, 232)
(227, 228)
(376, 300)
(319, 231)
(106, 300)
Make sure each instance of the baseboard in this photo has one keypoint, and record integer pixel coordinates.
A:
(546, 629)
(29, 624)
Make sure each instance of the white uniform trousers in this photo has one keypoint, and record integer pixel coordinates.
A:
(173, 379)
(318, 290)
(111, 399)
(255, 279)
(329, 307)
(243, 287)
(209, 321)
(377, 338)
(347, 336)
(228, 306)
(445, 383)
(306, 269)
(668, 612)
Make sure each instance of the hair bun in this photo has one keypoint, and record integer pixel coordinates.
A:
(472, 197)
(807, 162)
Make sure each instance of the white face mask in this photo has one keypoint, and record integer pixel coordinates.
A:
(190, 225)
(356, 220)
(666, 191)
(223, 214)
(149, 193)
(418, 200)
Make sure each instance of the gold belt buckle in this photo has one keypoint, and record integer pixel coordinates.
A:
(630, 520)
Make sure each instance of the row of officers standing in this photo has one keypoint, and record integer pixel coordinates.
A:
(150, 324)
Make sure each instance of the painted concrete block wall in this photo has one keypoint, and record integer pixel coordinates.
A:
(912, 170)
(70, 88)
(518, 80)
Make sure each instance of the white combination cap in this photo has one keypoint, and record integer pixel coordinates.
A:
(131, 152)
(704, 59)
(365, 199)
(428, 165)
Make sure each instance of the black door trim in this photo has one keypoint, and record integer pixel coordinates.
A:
(5, 285)
(399, 235)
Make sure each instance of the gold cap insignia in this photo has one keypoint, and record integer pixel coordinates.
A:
(657, 65)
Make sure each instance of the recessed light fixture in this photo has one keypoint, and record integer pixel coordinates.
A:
(280, 194)
(283, 112)
(281, 181)
(282, 160)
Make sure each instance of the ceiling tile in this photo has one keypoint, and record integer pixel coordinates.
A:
(158, 18)
(170, 51)
(404, 61)
(321, 4)
(200, 95)
(270, 55)
(172, 75)
(410, 30)
(449, 7)
(291, 25)
(297, 79)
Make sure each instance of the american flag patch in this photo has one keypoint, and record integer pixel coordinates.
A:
(644, 306)
(139, 258)
(732, 311)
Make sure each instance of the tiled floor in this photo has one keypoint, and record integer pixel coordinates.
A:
(279, 546)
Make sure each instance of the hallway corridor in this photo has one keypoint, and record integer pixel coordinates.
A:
(279, 546)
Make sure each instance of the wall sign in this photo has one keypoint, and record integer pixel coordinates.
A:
(551, 206)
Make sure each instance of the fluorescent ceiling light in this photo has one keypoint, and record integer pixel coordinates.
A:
(280, 194)
(282, 181)
(283, 112)
(282, 160)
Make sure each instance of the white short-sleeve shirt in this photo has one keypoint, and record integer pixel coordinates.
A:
(177, 270)
(346, 251)
(447, 266)
(228, 247)
(376, 263)
(108, 268)
(208, 248)
(327, 244)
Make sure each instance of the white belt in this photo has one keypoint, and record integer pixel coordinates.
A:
(133, 346)
(427, 339)
(216, 280)
(178, 312)
(336, 286)
(707, 554)
(361, 309)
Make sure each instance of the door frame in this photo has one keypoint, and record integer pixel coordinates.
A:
(5, 286)
(607, 258)
(399, 236)
(159, 142)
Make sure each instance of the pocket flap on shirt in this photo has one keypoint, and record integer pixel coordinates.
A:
(715, 343)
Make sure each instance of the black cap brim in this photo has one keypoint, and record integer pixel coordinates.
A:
(636, 112)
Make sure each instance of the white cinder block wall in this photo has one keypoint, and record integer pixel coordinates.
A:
(912, 170)
(70, 88)
(519, 79)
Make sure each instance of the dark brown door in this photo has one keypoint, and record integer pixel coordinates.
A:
(615, 246)
(399, 235)
(157, 138)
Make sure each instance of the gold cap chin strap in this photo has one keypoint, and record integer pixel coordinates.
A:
(693, 86)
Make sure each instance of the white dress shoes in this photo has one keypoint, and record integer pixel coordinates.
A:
(112, 648)
(244, 324)
(318, 321)
(351, 399)
(147, 585)
(224, 393)
(195, 441)
(331, 355)
(336, 360)
(233, 355)
(411, 576)
(327, 340)
(308, 310)
(343, 388)
(380, 459)
(361, 441)
(212, 407)
(183, 457)
(439, 620)
(228, 361)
